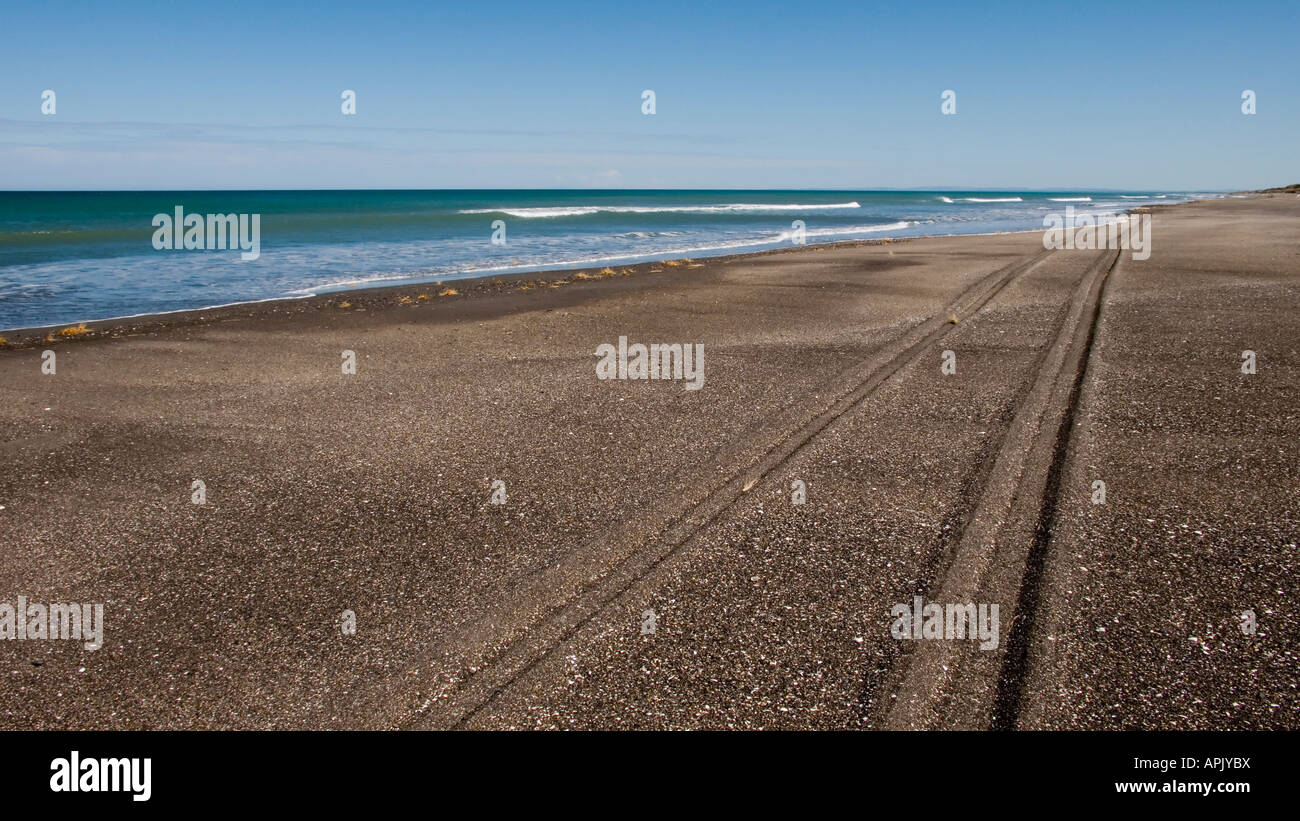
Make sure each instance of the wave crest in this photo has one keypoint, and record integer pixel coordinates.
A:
(544, 212)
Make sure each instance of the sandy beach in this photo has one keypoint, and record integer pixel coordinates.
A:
(649, 568)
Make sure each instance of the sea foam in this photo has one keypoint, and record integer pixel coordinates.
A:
(583, 210)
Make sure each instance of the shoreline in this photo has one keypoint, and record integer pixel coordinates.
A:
(21, 338)
(132, 324)
(328, 489)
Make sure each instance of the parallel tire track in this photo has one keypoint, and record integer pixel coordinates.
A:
(495, 652)
(1011, 679)
(952, 684)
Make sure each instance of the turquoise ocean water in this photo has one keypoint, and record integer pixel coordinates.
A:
(77, 256)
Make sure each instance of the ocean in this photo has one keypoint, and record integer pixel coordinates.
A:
(68, 257)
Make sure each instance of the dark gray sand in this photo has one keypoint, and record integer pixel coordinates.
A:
(371, 493)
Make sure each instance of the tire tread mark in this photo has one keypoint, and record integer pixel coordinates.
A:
(941, 684)
(564, 619)
(586, 603)
(1011, 679)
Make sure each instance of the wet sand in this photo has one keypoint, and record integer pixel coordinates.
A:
(372, 493)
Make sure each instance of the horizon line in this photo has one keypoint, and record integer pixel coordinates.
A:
(929, 188)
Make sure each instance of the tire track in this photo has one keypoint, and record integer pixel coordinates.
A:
(488, 656)
(952, 684)
(1015, 665)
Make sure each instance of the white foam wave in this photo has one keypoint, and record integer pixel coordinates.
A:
(992, 199)
(847, 231)
(583, 210)
(583, 262)
(1070, 199)
(350, 283)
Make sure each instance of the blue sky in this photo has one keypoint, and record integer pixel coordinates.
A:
(764, 95)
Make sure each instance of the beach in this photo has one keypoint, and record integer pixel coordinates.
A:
(69, 257)
(525, 545)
